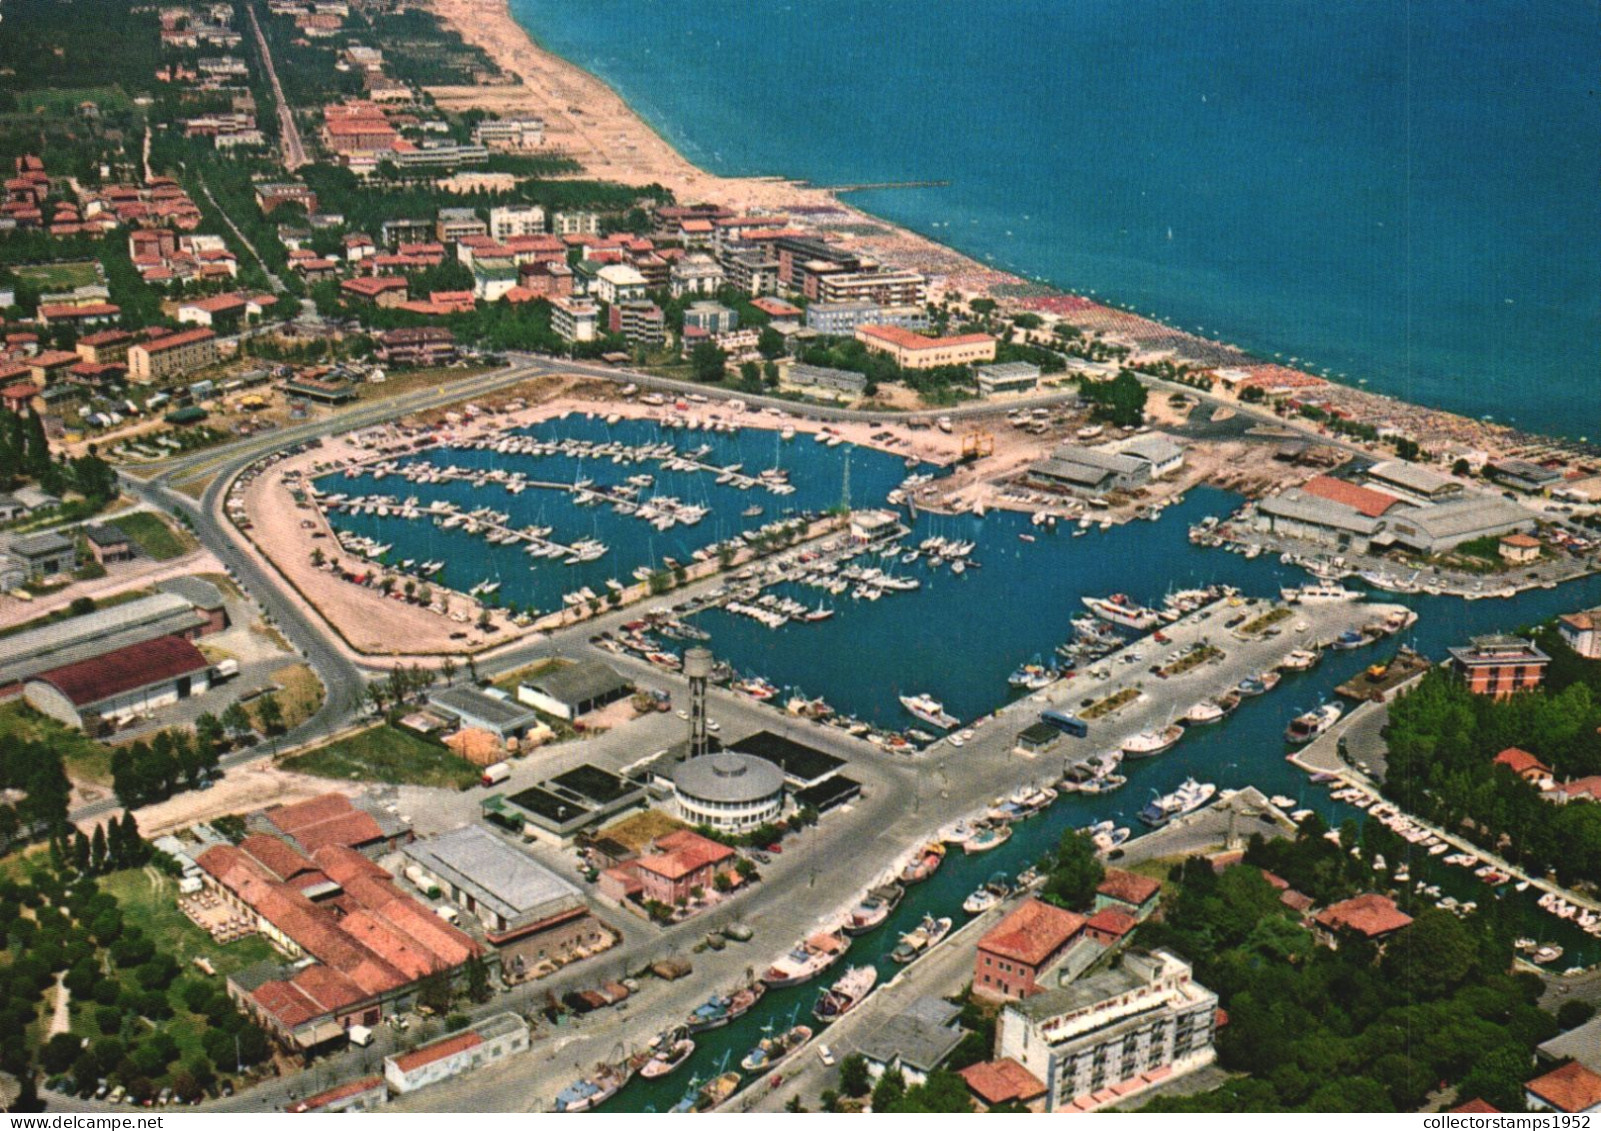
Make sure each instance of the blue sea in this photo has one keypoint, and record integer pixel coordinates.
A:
(1402, 194)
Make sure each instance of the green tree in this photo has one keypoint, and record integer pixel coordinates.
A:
(770, 343)
(889, 1090)
(1076, 872)
(269, 714)
(709, 362)
(236, 718)
(1573, 1013)
(854, 1078)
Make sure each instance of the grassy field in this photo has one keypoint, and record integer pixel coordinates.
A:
(65, 102)
(59, 275)
(510, 680)
(154, 538)
(85, 759)
(148, 902)
(387, 754)
(301, 694)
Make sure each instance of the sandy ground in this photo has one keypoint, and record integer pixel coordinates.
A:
(244, 789)
(139, 573)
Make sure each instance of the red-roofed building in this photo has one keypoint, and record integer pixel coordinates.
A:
(777, 308)
(1003, 1081)
(680, 863)
(1128, 891)
(331, 819)
(46, 367)
(1582, 632)
(1110, 926)
(104, 347)
(912, 350)
(127, 681)
(489, 1040)
(1519, 549)
(367, 941)
(79, 314)
(172, 354)
(1526, 766)
(356, 1095)
(1573, 1089)
(1372, 916)
(1363, 500)
(1015, 952)
(380, 290)
(1475, 1106)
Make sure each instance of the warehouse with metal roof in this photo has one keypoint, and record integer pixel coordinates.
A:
(573, 690)
(81, 638)
(505, 888)
(121, 684)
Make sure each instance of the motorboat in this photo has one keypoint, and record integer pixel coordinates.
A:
(1304, 728)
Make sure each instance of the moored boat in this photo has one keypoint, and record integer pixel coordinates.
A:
(672, 1052)
(873, 908)
(926, 934)
(924, 864)
(807, 959)
(845, 994)
(1149, 743)
(770, 1051)
(1304, 728)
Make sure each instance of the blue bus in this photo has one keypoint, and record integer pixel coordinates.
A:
(1066, 723)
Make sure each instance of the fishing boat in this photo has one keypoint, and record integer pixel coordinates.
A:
(1304, 728)
(1300, 660)
(1124, 611)
(845, 994)
(745, 999)
(673, 1049)
(1205, 712)
(593, 1090)
(713, 1093)
(980, 901)
(1317, 592)
(1258, 684)
(924, 864)
(1149, 743)
(930, 711)
(1110, 839)
(713, 1013)
(809, 958)
(914, 942)
(1187, 798)
(771, 1051)
(873, 908)
(988, 838)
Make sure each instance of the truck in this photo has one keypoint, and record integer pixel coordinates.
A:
(225, 669)
(495, 774)
(360, 1035)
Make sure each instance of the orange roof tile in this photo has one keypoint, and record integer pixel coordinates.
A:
(450, 1046)
(1364, 500)
(1571, 1088)
(1128, 887)
(1002, 1081)
(1032, 933)
(1370, 915)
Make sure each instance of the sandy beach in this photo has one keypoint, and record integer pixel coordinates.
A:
(589, 121)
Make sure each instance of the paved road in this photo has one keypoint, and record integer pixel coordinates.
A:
(294, 151)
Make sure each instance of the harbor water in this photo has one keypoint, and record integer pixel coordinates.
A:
(957, 637)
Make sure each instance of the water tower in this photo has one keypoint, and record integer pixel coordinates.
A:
(697, 669)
